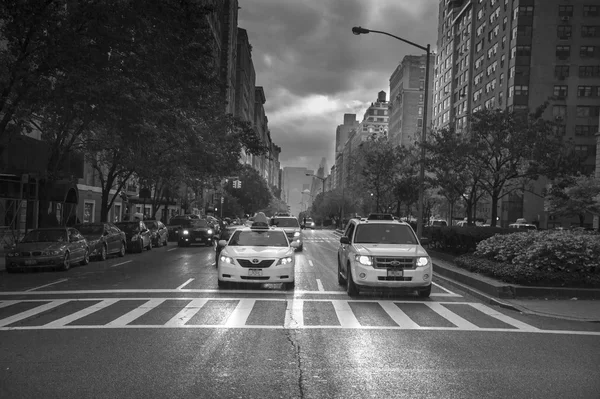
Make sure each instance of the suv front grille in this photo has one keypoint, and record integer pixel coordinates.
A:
(262, 264)
(395, 263)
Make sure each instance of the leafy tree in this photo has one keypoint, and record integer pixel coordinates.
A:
(254, 193)
(574, 196)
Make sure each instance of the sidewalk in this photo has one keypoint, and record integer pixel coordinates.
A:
(563, 303)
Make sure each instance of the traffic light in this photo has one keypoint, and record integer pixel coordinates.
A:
(237, 184)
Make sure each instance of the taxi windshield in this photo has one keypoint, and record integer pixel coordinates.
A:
(384, 234)
(259, 239)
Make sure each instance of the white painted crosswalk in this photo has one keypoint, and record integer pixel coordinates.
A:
(268, 313)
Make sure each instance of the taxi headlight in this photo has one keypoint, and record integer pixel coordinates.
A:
(209, 231)
(422, 261)
(285, 261)
(226, 259)
(364, 260)
(185, 232)
(297, 234)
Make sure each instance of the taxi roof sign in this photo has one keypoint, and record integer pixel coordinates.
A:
(260, 222)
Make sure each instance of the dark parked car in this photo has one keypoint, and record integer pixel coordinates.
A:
(160, 233)
(138, 235)
(196, 232)
(103, 239)
(49, 247)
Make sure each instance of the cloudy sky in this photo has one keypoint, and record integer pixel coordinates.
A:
(313, 69)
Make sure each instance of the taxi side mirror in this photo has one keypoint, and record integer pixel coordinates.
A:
(295, 244)
(344, 240)
(222, 243)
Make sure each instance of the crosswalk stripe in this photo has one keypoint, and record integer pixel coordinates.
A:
(294, 314)
(5, 304)
(240, 314)
(345, 314)
(32, 312)
(81, 313)
(136, 313)
(451, 316)
(187, 312)
(398, 315)
(502, 317)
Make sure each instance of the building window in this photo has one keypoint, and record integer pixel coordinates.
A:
(420, 98)
(88, 211)
(590, 11)
(524, 50)
(420, 122)
(559, 112)
(590, 31)
(563, 52)
(561, 91)
(586, 130)
(564, 31)
(588, 91)
(526, 11)
(511, 72)
(565, 11)
(521, 90)
(587, 51)
(420, 111)
(591, 71)
(561, 71)
(117, 213)
(588, 111)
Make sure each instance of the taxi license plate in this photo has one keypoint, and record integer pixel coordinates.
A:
(255, 272)
(30, 262)
(395, 273)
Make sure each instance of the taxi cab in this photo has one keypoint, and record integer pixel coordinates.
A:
(380, 253)
(257, 254)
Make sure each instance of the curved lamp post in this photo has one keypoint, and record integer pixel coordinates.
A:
(357, 30)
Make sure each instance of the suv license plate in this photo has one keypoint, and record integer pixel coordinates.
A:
(395, 273)
(255, 272)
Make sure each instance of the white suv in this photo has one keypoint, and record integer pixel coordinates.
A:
(385, 255)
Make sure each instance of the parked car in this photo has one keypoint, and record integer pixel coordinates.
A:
(196, 232)
(159, 232)
(57, 247)
(138, 235)
(522, 226)
(103, 239)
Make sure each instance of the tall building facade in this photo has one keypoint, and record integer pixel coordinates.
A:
(341, 136)
(229, 34)
(517, 54)
(407, 95)
(296, 189)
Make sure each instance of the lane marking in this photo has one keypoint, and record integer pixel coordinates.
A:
(47, 285)
(130, 316)
(184, 284)
(320, 285)
(212, 264)
(122, 263)
(504, 318)
(190, 290)
(82, 313)
(345, 314)
(445, 289)
(240, 314)
(32, 312)
(294, 314)
(172, 249)
(187, 312)
(310, 262)
(450, 316)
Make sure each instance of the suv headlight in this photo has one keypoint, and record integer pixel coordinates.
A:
(423, 261)
(209, 232)
(285, 261)
(364, 260)
(297, 234)
(226, 259)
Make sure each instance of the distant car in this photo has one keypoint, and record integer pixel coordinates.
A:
(290, 225)
(138, 235)
(258, 254)
(439, 223)
(103, 239)
(174, 226)
(159, 232)
(197, 231)
(522, 226)
(310, 224)
(49, 247)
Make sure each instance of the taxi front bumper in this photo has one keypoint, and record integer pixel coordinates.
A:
(271, 274)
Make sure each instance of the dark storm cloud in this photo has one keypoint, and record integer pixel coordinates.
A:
(314, 70)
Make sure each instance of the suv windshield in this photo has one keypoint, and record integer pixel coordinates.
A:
(259, 239)
(58, 235)
(287, 222)
(384, 234)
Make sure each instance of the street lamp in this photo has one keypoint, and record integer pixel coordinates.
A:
(357, 30)
(320, 178)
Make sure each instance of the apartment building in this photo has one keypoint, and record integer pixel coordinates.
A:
(407, 95)
(342, 133)
(517, 54)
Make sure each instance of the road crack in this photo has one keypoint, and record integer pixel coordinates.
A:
(290, 334)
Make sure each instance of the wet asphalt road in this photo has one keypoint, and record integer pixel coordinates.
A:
(155, 325)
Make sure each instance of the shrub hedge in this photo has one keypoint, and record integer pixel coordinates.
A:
(460, 240)
(542, 258)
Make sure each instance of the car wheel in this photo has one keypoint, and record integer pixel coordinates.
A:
(66, 265)
(165, 242)
(149, 247)
(123, 249)
(86, 258)
(103, 253)
(140, 246)
(341, 280)
(351, 287)
(300, 248)
(426, 292)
